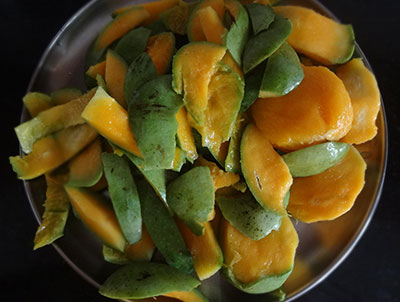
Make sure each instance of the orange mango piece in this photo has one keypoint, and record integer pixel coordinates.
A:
(97, 69)
(330, 194)
(115, 74)
(319, 109)
(212, 26)
(220, 178)
(153, 8)
(365, 99)
(160, 48)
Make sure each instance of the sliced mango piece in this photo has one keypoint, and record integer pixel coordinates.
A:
(315, 159)
(124, 196)
(247, 215)
(56, 209)
(264, 44)
(220, 178)
(83, 170)
(110, 119)
(163, 230)
(319, 109)
(185, 135)
(191, 197)
(264, 170)
(232, 160)
(133, 44)
(211, 25)
(52, 151)
(330, 194)
(261, 16)
(258, 266)
(365, 100)
(205, 250)
(195, 30)
(317, 36)
(98, 68)
(51, 120)
(64, 95)
(120, 25)
(160, 48)
(153, 123)
(115, 74)
(193, 67)
(153, 8)
(236, 38)
(176, 18)
(192, 296)
(36, 102)
(146, 279)
(225, 93)
(93, 210)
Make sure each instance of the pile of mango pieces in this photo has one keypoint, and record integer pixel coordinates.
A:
(204, 128)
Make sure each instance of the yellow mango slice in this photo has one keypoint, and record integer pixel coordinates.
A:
(115, 74)
(330, 194)
(110, 119)
(266, 174)
(205, 250)
(365, 99)
(185, 135)
(317, 36)
(160, 48)
(211, 24)
(319, 109)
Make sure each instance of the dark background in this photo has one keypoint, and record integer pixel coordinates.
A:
(370, 273)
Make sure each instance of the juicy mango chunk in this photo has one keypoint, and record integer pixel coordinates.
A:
(319, 109)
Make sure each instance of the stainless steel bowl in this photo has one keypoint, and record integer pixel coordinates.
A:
(323, 246)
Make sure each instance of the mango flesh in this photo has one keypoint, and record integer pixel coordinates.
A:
(120, 25)
(36, 102)
(330, 194)
(52, 151)
(205, 250)
(220, 178)
(232, 160)
(191, 296)
(83, 170)
(193, 67)
(160, 49)
(51, 120)
(225, 96)
(258, 266)
(365, 100)
(64, 95)
(98, 216)
(211, 25)
(144, 280)
(317, 36)
(194, 29)
(153, 8)
(315, 159)
(115, 74)
(265, 172)
(110, 120)
(56, 209)
(185, 135)
(319, 109)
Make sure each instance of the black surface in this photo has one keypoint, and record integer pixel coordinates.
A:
(370, 273)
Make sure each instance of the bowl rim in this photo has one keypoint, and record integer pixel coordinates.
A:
(335, 263)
